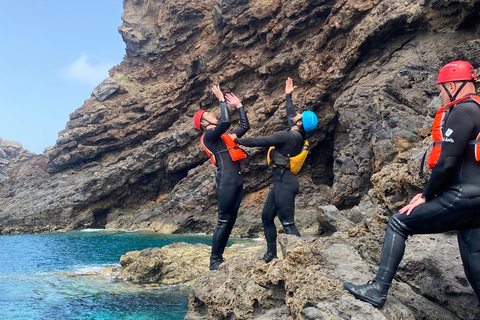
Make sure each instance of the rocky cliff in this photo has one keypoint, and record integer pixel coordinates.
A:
(129, 157)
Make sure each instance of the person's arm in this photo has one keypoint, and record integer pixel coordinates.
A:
(290, 110)
(453, 147)
(289, 106)
(242, 115)
(225, 121)
(275, 139)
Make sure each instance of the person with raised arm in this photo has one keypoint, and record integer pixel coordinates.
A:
(288, 150)
(226, 156)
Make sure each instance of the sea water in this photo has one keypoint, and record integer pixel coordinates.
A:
(43, 277)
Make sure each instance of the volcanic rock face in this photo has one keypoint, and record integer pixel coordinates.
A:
(367, 68)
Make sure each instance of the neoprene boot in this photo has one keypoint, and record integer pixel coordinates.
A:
(373, 292)
(215, 262)
(271, 252)
(269, 256)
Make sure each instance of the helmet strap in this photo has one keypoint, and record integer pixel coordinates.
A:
(454, 97)
(209, 123)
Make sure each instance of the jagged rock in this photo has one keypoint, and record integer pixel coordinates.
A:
(177, 263)
(308, 283)
(105, 89)
(367, 68)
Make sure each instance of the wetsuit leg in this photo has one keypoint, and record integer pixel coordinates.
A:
(285, 191)
(232, 217)
(229, 198)
(268, 215)
(392, 253)
(444, 213)
(469, 244)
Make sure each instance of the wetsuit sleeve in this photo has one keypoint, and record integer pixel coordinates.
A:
(225, 122)
(460, 125)
(244, 124)
(290, 108)
(275, 139)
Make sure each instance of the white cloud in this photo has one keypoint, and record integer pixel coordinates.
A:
(82, 71)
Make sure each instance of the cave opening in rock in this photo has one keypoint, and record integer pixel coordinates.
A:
(100, 218)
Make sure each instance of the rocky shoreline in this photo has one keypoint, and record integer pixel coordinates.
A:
(306, 282)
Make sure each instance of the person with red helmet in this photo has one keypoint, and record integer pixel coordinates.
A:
(226, 156)
(451, 198)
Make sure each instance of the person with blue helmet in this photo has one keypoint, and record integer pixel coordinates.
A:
(287, 145)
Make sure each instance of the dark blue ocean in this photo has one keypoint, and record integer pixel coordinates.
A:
(40, 277)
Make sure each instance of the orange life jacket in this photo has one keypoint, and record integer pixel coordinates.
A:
(437, 134)
(232, 147)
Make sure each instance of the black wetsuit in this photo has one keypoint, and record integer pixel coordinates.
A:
(453, 199)
(228, 180)
(281, 199)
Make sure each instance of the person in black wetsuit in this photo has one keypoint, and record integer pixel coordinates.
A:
(451, 199)
(281, 199)
(228, 179)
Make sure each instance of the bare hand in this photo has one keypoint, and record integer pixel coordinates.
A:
(217, 92)
(232, 99)
(416, 201)
(289, 86)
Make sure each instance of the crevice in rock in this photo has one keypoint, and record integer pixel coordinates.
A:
(100, 218)
(321, 159)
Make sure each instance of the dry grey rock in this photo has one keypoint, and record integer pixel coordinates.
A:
(105, 89)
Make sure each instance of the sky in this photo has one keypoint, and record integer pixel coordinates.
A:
(53, 53)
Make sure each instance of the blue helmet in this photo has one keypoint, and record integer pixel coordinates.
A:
(309, 120)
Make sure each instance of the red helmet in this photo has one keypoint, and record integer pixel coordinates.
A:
(457, 71)
(197, 118)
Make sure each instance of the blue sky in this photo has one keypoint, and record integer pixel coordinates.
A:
(52, 54)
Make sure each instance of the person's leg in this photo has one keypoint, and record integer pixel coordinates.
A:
(393, 249)
(285, 202)
(268, 215)
(446, 212)
(229, 197)
(231, 218)
(469, 245)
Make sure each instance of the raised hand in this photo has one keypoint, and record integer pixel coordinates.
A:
(232, 99)
(217, 92)
(289, 87)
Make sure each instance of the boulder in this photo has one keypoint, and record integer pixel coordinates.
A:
(105, 89)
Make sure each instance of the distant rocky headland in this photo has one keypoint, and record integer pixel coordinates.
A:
(129, 157)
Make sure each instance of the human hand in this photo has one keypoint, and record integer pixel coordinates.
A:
(416, 201)
(289, 86)
(217, 92)
(232, 99)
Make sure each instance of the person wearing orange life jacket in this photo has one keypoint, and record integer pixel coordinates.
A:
(281, 199)
(451, 199)
(226, 156)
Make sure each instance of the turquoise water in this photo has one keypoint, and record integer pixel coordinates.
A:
(41, 277)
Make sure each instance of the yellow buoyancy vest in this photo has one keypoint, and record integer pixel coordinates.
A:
(275, 159)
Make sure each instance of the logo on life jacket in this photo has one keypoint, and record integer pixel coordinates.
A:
(438, 137)
(277, 160)
(232, 148)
